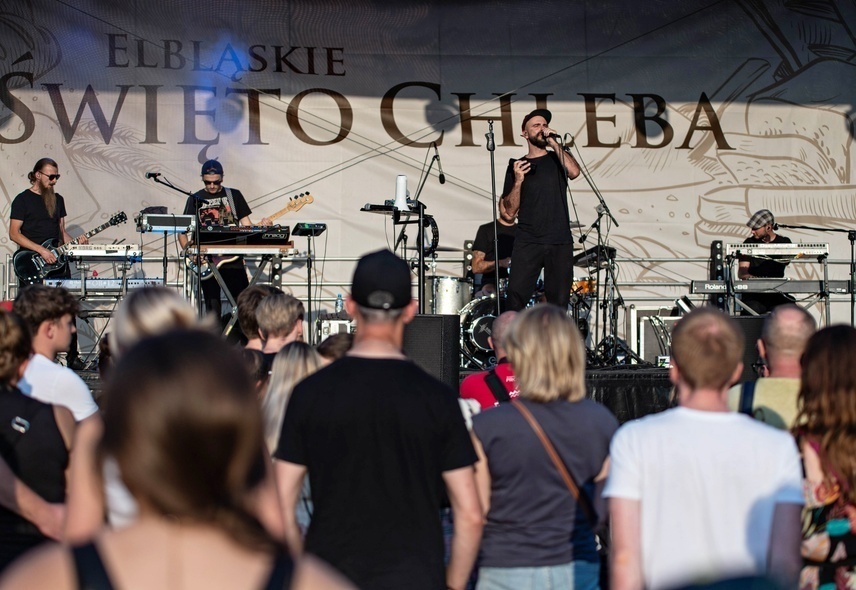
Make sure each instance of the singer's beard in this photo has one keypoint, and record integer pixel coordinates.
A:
(538, 141)
(49, 198)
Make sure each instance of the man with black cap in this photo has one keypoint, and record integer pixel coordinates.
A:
(763, 226)
(379, 437)
(220, 205)
(534, 191)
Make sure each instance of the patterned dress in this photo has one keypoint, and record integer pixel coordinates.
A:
(829, 536)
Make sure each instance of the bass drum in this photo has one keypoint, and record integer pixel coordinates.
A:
(476, 326)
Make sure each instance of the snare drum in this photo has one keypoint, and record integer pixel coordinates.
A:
(447, 295)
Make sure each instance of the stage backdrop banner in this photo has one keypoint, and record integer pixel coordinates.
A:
(687, 116)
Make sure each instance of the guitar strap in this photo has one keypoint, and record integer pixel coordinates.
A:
(231, 200)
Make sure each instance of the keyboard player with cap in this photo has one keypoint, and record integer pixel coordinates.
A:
(763, 226)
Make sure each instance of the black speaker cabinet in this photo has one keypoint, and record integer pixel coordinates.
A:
(433, 342)
(751, 327)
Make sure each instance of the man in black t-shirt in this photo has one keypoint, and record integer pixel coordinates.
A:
(38, 216)
(379, 437)
(534, 191)
(484, 257)
(219, 205)
(763, 225)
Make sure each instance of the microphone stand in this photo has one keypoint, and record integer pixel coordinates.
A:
(199, 201)
(491, 148)
(851, 236)
(420, 236)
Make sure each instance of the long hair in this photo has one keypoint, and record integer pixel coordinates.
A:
(827, 402)
(292, 364)
(547, 354)
(183, 423)
(148, 312)
(48, 195)
(15, 343)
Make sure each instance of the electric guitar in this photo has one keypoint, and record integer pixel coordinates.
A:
(31, 267)
(203, 269)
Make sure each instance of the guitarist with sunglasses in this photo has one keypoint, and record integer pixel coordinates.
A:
(219, 205)
(38, 216)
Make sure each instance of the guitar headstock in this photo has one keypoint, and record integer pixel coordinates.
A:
(297, 202)
(118, 218)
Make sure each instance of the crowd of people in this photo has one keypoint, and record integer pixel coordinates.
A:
(210, 465)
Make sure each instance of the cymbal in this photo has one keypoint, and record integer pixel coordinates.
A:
(439, 248)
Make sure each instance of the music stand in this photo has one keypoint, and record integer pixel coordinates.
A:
(310, 230)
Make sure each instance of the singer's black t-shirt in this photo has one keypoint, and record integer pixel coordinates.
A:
(543, 217)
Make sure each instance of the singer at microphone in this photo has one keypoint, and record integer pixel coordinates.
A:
(534, 192)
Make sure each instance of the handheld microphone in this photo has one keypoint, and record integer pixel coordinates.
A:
(555, 136)
(441, 176)
(152, 174)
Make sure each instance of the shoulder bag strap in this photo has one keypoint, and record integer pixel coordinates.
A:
(747, 398)
(581, 498)
(496, 386)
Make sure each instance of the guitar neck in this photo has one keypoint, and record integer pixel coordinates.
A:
(294, 204)
(64, 248)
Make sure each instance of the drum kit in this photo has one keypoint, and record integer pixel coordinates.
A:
(448, 295)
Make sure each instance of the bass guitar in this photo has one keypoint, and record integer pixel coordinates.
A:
(31, 267)
(203, 269)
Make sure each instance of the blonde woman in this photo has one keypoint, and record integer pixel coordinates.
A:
(292, 364)
(95, 491)
(536, 534)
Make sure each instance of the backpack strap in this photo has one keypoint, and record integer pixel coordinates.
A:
(496, 386)
(91, 573)
(747, 398)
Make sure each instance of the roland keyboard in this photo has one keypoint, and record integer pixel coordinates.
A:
(795, 287)
(99, 286)
(799, 250)
(122, 252)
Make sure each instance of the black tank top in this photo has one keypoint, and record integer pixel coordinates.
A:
(92, 575)
(32, 446)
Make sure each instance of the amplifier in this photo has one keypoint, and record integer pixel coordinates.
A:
(328, 324)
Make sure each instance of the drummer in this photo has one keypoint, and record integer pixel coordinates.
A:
(484, 259)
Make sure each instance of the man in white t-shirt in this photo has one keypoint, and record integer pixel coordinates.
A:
(697, 493)
(49, 312)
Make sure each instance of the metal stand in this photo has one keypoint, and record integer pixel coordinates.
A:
(310, 231)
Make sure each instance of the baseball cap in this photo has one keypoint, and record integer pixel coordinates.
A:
(212, 167)
(381, 281)
(760, 219)
(537, 113)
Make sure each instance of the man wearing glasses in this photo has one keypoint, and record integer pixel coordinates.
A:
(219, 205)
(38, 216)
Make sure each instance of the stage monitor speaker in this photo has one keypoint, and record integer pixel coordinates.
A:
(433, 342)
(751, 325)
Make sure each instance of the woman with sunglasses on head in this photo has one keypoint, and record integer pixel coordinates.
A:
(187, 438)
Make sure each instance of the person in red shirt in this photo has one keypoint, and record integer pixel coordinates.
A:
(477, 386)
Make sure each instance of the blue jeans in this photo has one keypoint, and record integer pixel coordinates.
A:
(576, 575)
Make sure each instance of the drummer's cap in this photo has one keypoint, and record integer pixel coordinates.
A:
(212, 167)
(536, 113)
(381, 281)
(760, 219)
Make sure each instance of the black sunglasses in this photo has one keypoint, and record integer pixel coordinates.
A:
(50, 176)
(214, 182)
